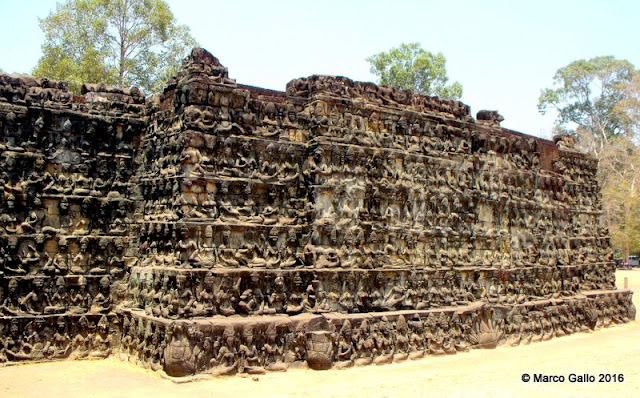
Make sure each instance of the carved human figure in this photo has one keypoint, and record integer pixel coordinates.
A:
(273, 350)
(249, 355)
(227, 355)
(345, 353)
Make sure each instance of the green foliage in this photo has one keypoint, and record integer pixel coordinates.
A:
(121, 42)
(411, 67)
(628, 108)
(598, 100)
(586, 95)
(619, 174)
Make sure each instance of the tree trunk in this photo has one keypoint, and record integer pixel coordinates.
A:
(123, 47)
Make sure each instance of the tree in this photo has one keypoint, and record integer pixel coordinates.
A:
(620, 172)
(598, 100)
(628, 109)
(121, 42)
(619, 175)
(411, 67)
(587, 97)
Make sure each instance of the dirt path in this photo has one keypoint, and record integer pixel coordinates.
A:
(488, 373)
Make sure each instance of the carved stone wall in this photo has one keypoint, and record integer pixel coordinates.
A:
(221, 228)
(65, 215)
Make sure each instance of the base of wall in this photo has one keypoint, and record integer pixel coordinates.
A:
(186, 350)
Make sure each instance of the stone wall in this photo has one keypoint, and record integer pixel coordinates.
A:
(222, 228)
(65, 216)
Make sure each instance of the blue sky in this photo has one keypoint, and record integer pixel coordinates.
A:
(502, 52)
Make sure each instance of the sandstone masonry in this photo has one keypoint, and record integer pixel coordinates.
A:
(221, 228)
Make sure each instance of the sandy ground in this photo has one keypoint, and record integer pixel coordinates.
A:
(481, 373)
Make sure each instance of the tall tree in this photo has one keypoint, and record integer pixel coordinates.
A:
(409, 66)
(628, 109)
(598, 100)
(619, 174)
(586, 95)
(121, 42)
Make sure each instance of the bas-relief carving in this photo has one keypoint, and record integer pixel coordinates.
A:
(219, 228)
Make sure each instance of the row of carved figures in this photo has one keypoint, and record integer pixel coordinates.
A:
(58, 337)
(62, 255)
(331, 247)
(51, 135)
(253, 159)
(59, 295)
(46, 178)
(243, 156)
(181, 348)
(187, 296)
